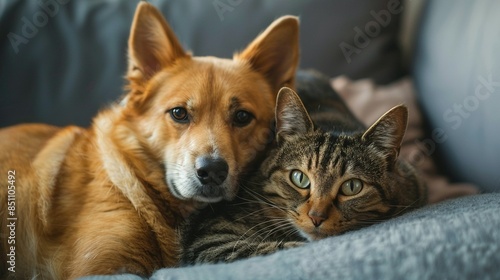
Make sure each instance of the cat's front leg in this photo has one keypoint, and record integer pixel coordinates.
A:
(260, 249)
(293, 244)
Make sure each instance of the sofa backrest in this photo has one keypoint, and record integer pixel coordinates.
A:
(62, 60)
(457, 74)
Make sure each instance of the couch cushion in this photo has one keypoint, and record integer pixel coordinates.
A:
(456, 239)
(62, 60)
(457, 75)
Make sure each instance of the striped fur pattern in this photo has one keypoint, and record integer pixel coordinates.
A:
(322, 179)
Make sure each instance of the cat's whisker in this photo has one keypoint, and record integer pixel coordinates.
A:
(250, 201)
(276, 223)
(273, 223)
(251, 214)
(284, 230)
(278, 227)
(255, 194)
(292, 230)
(264, 200)
(283, 224)
(258, 201)
(411, 205)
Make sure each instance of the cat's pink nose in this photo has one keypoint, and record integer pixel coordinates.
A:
(317, 219)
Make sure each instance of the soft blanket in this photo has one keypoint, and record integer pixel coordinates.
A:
(454, 239)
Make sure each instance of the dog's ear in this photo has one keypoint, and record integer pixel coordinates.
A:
(292, 118)
(152, 44)
(275, 52)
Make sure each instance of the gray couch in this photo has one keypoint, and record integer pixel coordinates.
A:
(63, 60)
(459, 239)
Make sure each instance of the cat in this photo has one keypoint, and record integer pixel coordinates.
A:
(321, 179)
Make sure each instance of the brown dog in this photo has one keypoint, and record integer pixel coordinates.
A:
(108, 199)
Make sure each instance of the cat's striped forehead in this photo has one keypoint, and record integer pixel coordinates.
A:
(330, 157)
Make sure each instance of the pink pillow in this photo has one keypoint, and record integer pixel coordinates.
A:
(369, 101)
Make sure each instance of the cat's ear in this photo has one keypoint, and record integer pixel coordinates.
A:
(388, 131)
(152, 44)
(291, 116)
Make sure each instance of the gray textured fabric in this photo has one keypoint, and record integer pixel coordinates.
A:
(456, 239)
(457, 74)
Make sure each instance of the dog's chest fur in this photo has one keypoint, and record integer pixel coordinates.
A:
(71, 209)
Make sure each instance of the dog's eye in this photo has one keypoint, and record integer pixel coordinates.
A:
(242, 118)
(179, 114)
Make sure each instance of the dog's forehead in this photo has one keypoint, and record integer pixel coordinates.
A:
(215, 61)
(205, 80)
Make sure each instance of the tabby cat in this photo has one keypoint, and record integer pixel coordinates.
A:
(320, 180)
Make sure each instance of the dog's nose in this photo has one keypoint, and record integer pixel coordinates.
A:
(211, 170)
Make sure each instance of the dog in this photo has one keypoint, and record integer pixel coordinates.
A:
(108, 199)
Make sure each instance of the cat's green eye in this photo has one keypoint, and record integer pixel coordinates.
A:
(300, 179)
(352, 187)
